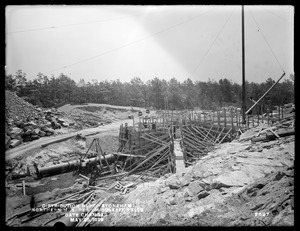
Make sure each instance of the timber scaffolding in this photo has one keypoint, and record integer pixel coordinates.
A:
(149, 147)
(202, 130)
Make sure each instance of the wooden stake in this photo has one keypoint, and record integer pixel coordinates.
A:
(24, 192)
(225, 136)
(219, 135)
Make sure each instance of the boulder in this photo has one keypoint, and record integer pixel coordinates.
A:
(197, 173)
(31, 123)
(202, 194)
(45, 128)
(42, 133)
(65, 124)
(188, 177)
(10, 122)
(36, 131)
(195, 187)
(19, 123)
(7, 141)
(202, 184)
(55, 125)
(195, 211)
(60, 120)
(14, 143)
(14, 132)
(26, 138)
(35, 137)
(48, 117)
(28, 132)
(187, 192)
(235, 178)
(183, 181)
(173, 182)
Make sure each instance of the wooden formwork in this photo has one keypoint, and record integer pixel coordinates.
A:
(148, 149)
(198, 139)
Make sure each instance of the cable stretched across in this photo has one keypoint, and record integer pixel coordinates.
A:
(130, 43)
(277, 16)
(264, 37)
(193, 72)
(70, 25)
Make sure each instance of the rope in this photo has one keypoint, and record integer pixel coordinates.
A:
(128, 44)
(266, 41)
(211, 45)
(278, 16)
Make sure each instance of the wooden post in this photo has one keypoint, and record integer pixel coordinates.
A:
(279, 113)
(271, 108)
(23, 184)
(243, 69)
(237, 118)
(231, 114)
(268, 115)
(247, 122)
(225, 118)
(262, 117)
(218, 113)
(204, 117)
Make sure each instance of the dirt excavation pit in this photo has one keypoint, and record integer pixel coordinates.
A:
(234, 185)
(247, 181)
(54, 154)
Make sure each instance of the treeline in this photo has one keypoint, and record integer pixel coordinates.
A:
(158, 93)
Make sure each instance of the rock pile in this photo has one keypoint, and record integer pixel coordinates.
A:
(258, 176)
(25, 122)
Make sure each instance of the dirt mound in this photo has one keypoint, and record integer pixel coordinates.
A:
(91, 115)
(25, 122)
(18, 109)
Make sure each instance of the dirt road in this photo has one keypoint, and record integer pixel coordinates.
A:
(112, 128)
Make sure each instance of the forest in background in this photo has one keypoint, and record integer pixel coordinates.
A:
(52, 91)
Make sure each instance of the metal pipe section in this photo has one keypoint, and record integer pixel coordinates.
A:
(71, 218)
(71, 165)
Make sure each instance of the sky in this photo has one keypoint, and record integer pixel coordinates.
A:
(109, 42)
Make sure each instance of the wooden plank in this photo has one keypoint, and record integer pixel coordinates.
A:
(224, 136)
(23, 184)
(274, 133)
(124, 154)
(219, 135)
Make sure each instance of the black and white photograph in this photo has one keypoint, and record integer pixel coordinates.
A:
(149, 115)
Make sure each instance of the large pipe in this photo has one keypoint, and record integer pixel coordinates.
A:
(71, 218)
(71, 165)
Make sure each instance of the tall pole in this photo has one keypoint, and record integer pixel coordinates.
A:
(243, 71)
